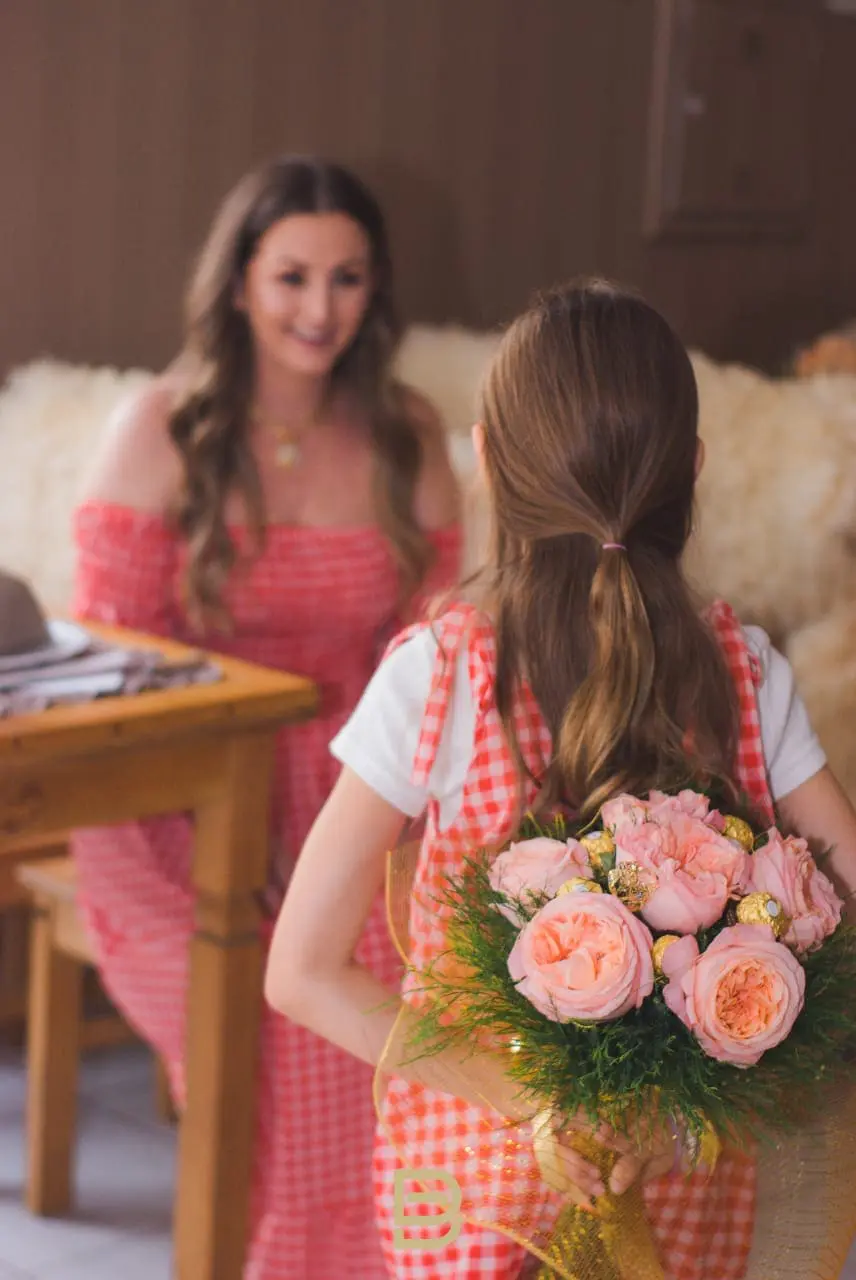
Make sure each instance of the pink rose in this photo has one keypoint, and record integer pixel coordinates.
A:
(623, 811)
(785, 868)
(740, 997)
(583, 957)
(691, 803)
(626, 810)
(535, 867)
(694, 868)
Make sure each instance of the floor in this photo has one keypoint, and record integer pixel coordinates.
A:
(126, 1165)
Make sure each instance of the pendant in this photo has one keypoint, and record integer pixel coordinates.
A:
(287, 454)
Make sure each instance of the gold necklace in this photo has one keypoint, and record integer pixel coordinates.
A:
(288, 449)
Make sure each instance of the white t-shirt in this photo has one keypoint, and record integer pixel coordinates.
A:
(379, 741)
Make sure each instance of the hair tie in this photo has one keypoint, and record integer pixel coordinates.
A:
(612, 546)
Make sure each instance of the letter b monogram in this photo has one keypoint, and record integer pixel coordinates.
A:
(445, 1205)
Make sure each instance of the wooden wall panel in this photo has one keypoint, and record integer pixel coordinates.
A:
(221, 77)
(152, 214)
(25, 319)
(506, 138)
(81, 173)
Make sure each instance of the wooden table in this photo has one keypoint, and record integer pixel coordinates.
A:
(207, 749)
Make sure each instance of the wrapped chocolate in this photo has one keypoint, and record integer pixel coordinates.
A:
(739, 830)
(660, 948)
(763, 908)
(600, 847)
(578, 884)
(629, 883)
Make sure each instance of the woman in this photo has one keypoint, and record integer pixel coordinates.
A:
(279, 493)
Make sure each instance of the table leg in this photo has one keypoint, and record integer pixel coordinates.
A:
(224, 1008)
(53, 1039)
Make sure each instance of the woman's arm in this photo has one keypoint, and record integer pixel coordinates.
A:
(821, 813)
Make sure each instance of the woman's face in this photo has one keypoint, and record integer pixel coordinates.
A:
(306, 290)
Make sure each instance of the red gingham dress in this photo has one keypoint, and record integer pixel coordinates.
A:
(702, 1226)
(319, 602)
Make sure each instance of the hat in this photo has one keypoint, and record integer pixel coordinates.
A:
(27, 638)
(23, 626)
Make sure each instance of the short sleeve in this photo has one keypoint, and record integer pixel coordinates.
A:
(791, 747)
(126, 569)
(380, 740)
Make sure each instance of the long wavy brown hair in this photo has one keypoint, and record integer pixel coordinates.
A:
(590, 414)
(209, 424)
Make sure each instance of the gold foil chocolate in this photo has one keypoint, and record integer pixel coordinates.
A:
(629, 883)
(600, 847)
(737, 829)
(578, 884)
(660, 948)
(763, 908)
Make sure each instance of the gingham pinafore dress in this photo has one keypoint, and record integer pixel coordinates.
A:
(702, 1226)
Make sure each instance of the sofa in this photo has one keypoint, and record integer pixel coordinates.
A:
(776, 526)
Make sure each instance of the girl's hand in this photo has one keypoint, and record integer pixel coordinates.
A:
(648, 1153)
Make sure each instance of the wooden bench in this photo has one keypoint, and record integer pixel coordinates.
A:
(15, 912)
(57, 1032)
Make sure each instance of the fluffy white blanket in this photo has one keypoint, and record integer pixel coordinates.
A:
(776, 528)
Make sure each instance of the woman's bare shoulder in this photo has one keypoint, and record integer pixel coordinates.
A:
(136, 464)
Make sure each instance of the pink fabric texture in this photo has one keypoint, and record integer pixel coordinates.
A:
(321, 603)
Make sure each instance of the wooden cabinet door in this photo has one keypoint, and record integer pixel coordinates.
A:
(733, 88)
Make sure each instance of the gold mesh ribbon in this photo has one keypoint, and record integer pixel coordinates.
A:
(610, 1240)
(806, 1203)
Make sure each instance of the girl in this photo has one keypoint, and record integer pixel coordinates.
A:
(583, 669)
(277, 492)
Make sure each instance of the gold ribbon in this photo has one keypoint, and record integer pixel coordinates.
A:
(610, 1240)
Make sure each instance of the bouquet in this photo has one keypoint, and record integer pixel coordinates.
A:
(669, 961)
